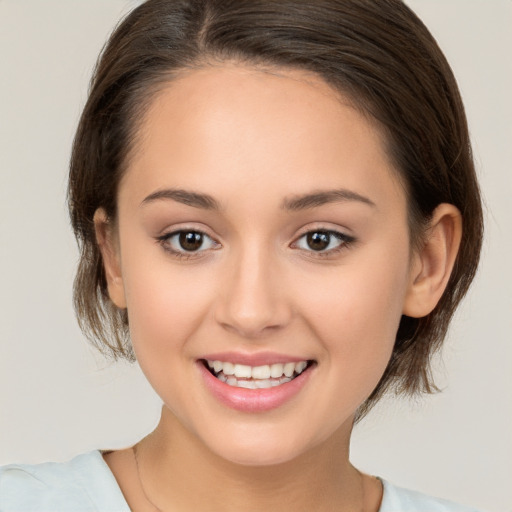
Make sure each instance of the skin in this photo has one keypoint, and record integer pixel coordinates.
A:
(255, 141)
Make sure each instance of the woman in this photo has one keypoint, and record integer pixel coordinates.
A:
(278, 214)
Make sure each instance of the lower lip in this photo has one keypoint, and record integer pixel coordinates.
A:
(253, 400)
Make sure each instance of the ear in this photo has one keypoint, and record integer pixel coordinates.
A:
(433, 263)
(109, 248)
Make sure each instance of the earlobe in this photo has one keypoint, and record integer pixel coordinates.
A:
(433, 263)
(109, 249)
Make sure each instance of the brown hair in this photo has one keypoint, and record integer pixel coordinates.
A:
(376, 52)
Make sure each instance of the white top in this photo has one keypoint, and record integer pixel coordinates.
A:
(86, 484)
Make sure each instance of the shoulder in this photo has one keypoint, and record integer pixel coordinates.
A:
(397, 499)
(84, 483)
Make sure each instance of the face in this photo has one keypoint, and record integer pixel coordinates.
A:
(263, 256)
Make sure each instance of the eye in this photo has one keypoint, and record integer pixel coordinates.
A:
(322, 241)
(187, 241)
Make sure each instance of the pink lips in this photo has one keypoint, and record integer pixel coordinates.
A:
(252, 400)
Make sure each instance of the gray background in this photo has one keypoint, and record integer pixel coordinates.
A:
(58, 398)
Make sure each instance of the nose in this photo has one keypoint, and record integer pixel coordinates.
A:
(253, 299)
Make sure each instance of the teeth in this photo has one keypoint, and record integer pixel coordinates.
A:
(227, 368)
(276, 370)
(242, 371)
(289, 368)
(262, 384)
(261, 372)
(261, 377)
(300, 367)
(246, 384)
(254, 384)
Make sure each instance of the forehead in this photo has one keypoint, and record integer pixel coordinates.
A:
(231, 128)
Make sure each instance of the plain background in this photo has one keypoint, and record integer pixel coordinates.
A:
(58, 398)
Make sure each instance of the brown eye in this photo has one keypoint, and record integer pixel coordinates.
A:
(323, 242)
(183, 242)
(318, 240)
(190, 240)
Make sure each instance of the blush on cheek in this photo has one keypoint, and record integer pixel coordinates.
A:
(358, 325)
(165, 308)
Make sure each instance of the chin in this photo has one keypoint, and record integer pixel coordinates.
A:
(261, 446)
(254, 456)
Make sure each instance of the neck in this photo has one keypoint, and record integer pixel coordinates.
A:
(178, 472)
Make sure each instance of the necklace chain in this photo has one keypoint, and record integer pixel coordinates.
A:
(157, 509)
(134, 449)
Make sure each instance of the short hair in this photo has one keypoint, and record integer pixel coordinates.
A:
(377, 53)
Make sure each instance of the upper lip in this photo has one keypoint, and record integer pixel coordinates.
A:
(255, 359)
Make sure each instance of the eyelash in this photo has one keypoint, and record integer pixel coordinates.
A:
(344, 242)
(166, 240)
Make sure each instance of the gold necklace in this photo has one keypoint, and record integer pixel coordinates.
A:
(157, 509)
(134, 449)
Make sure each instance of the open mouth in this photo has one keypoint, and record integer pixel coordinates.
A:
(256, 377)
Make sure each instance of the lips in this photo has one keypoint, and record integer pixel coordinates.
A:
(254, 387)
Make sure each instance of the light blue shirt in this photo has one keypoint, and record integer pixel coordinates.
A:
(86, 484)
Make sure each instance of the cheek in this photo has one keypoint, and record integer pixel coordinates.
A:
(355, 313)
(165, 309)
(166, 304)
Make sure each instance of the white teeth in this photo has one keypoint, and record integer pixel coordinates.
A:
(256, 377)
(276, 370)
(228, 368)
(248, 384)
(263, 384)
(299, 367)
(289, 368)
(261, 372)
(242, 371)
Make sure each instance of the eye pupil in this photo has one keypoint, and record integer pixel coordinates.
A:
(318, 240)
(190, 240)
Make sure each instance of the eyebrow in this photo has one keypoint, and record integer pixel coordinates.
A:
(321, 197)
(195, 199)
(295, 203)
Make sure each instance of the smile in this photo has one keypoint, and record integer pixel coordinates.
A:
(256, 377)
